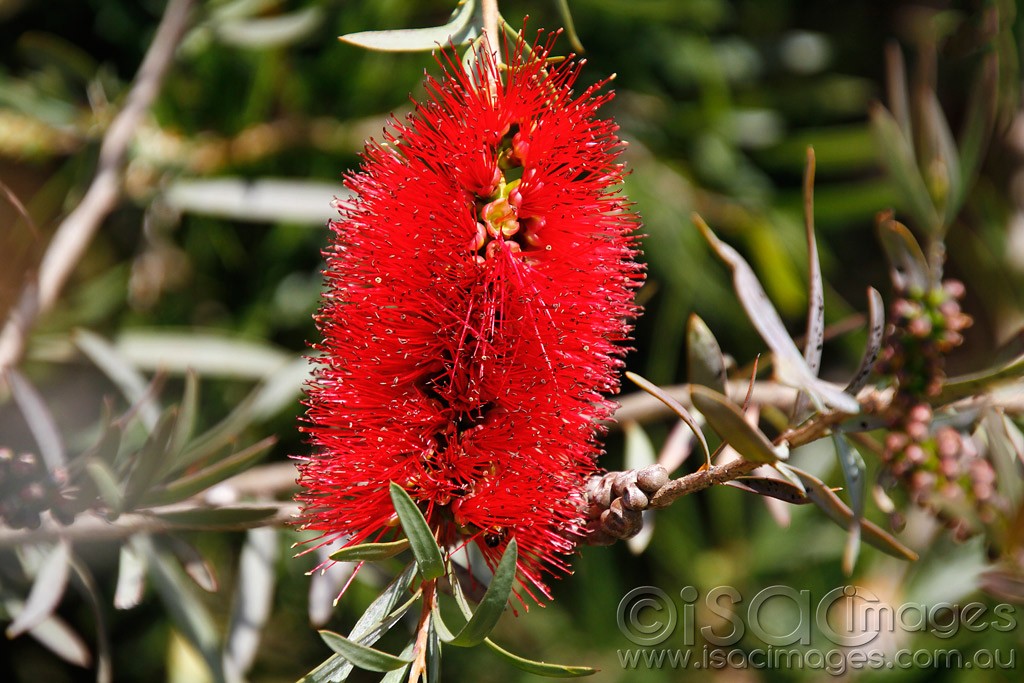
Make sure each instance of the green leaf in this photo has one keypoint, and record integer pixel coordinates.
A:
(979, 382)
(186, 420)
(570, 27)
(898, 156)
(149, 460)
(459, 31)
(705, 363)
(424, 545)
(910, 267)
(364, 657)
(675, 406)
(726, 419)
(492, 606)
(946, 154)
(47, 590)
(790, 366)
(203, 479)
(375, 622)
(400, 675)
(838, 512)
(106, 484)
(191, 560)
(370, 552)
(228, 517)
(539, 668)
(266, 33)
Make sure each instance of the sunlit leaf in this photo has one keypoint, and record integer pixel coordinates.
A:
(790, 366)
(57, 636)
(374, 622)
(490, 609)
(47, 590)
(725, 418)
(253, 600)
(370, 552)
(364, 657)
(265, 33)
(131, 577)
(979, 382)
(539, 668)
(815, 288)
(401, 674)
(459, 31)
(421, 539)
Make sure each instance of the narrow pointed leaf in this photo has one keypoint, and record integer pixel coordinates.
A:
(424, 545)
(539, 668)
(122, 373)
(370, 552)
(899, 159)
(47, 590)
(725, 418)
(198, 568)
(228, 517)
(131, 577)
(458, 31)
(773, 488)
(838, 512)
(705, 363)
(107, 485)
(854, 473)
(39, 419)
(203, 479)
(186, 420)
(148, 461)
(253, 599)
(570, 28)
(905, 255)
(490, 609)
(815, 288)
(790, 366)
(675, 406)
(57, 636)
(374, 623)
(876, 331)
(966, 385)
(947, 155)
(364, 657)
(400, 675)
(639, 450)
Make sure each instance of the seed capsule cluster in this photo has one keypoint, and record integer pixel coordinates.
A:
(616, 501)
(939, 468)
(28, 489)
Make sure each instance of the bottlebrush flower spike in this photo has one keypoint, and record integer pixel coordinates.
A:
(477, 288)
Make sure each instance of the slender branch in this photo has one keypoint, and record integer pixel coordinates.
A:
(700, 480)
(77, 230)
(418, 669)
(91, 527)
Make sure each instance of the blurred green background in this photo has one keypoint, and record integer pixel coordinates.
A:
(229, 186)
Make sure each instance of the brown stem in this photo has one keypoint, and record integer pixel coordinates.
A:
(418, 669)
(700, 480)
(77, 230)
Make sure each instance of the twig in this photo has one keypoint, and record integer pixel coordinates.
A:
(92, 528)
(77, 230)
(418, 670)
(700, 480)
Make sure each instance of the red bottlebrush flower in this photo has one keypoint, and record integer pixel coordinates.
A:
(476, 289)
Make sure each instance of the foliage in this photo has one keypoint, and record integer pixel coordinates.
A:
(162, 229)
